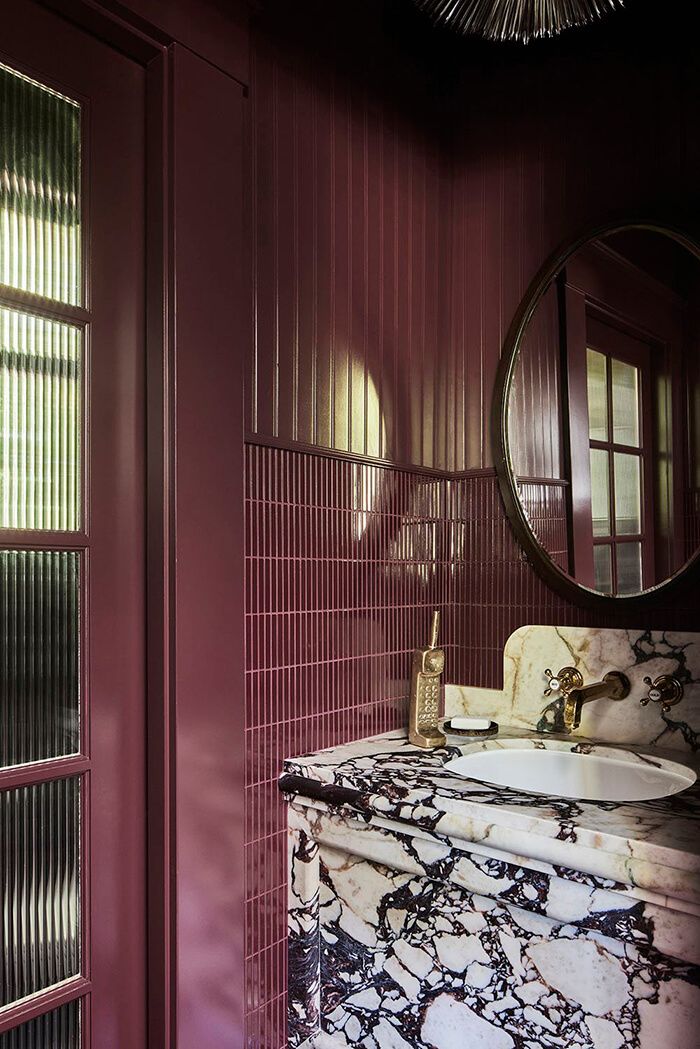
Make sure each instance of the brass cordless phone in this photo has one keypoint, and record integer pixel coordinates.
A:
(428, 664)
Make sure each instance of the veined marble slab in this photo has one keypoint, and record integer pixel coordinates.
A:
(652, 845)
(531, 650)
(403, 940)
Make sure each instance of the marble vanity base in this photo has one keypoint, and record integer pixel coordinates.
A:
(402, 938)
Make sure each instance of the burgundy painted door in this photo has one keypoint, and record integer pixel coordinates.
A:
(72, 694)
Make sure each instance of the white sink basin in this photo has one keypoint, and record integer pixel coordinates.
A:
(566, 770)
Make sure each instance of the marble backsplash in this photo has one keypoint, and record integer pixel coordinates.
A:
(531, 650)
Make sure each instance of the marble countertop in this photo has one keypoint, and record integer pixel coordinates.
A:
(653, 846)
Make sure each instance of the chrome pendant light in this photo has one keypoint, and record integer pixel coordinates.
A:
(516, 20)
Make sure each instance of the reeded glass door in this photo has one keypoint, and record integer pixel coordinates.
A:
(71, 549)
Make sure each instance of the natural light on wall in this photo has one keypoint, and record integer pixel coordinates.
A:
(372, 441)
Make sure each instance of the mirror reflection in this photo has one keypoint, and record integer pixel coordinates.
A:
(603, 412)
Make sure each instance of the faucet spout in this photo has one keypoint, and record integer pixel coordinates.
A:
(615, 685)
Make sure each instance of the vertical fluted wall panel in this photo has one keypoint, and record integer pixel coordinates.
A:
(545, 504)
(39, 655)
(535, 423)
(59, 1029)
(39, 887)
(346, 199)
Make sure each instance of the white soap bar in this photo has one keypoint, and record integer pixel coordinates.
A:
(470, 724)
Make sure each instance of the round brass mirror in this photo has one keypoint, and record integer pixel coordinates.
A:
(597, 414)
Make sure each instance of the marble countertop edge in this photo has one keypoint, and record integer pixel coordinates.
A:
(688, 904)
(546, 831)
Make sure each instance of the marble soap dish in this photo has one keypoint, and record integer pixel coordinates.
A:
(474, 728)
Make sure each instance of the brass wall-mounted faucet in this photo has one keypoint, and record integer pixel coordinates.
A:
(428, 664)
(569, 682)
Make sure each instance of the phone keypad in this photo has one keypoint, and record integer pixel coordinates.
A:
(429, 694)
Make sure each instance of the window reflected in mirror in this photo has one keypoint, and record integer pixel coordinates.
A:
(603, 412)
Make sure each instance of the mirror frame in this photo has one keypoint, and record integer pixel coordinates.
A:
(560, 581)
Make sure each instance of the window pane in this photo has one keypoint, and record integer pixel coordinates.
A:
(629, 568)
(40, 416)
(39, 655)
(597, 396)
(59, 1029)
(600, 491)
(602, 567)
(628, 491)
(39, 189)
(39, 871)
(625, 400)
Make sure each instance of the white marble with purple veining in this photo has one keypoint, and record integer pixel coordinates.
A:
(653, 844)
(531, 650)
(434, 912)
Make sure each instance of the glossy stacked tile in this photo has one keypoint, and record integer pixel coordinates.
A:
(345, 562)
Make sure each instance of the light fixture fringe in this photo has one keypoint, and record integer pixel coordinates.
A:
(516, 20)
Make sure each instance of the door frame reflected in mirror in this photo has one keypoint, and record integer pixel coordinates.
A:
(563, 583)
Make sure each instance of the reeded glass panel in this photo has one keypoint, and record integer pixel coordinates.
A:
(600, 491)
(629, 568)
(40, 422)
(597, 395)
(39, 655)
(625, 403)
(39, 887)
(602, 567)
(628, 492)
(59, 1029)
(39, 189)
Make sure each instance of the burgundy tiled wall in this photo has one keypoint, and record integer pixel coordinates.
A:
(345, 562)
